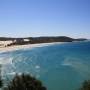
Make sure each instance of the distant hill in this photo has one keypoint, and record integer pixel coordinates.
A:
(33, 40)
(80, 39)
(51, 39)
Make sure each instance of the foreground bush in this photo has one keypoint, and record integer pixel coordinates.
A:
(1, 83)
(25, 82)
(85, 85)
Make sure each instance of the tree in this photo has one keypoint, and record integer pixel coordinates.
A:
(85, 85)
(1, 82)
(25, 82)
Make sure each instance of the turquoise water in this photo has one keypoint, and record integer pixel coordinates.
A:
(58, 66)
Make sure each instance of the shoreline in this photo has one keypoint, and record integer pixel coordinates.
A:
(30, 46)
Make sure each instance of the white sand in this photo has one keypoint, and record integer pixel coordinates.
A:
(30, 46)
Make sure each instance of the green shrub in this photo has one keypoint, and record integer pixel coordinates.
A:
(1, 83)
(85, 85)
(25, 82)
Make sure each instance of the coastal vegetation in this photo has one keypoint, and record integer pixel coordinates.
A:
(85, 85)
(1, 81)
(25, 82)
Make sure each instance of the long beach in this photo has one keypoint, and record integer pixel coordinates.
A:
(30, 46)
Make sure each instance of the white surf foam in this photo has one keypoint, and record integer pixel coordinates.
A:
(37, 67)
(6, 60)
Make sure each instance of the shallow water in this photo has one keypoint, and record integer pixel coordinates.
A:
(60, 67)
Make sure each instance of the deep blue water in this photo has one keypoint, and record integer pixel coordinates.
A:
(59, 66)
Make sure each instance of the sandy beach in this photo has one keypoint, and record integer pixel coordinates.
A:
(30, 46)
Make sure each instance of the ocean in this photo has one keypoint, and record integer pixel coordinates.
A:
(59, 66)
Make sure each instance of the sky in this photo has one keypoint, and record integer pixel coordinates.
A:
(32, 18)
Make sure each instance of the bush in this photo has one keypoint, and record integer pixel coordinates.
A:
(85, 85)
(25, 82)
(1, 83)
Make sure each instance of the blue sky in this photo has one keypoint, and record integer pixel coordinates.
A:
(22, 18)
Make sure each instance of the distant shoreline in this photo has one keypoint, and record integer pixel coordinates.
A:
(30, 46)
